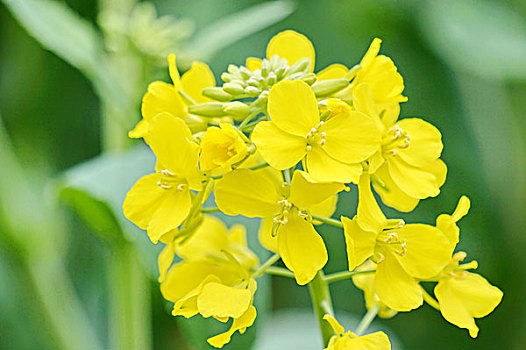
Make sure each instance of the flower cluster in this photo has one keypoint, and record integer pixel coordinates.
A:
(279, 142)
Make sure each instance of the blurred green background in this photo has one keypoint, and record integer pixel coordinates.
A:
(464, 66)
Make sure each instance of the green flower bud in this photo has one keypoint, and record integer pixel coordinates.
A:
(328, 87)
(237, 109)
(208, 109)
(217, 93)
(309, 78)
(302, 65)
(233, 88)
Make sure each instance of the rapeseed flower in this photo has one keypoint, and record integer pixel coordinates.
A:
(342, 340)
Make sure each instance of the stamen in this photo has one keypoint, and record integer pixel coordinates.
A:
(322, 142)
(308, 148)
(181, 187)
(323, 134)
(167, 172)
(163, 186)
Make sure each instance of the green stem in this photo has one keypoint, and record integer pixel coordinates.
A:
(343, 275)
(279, 271)
(255, 167)
(130, 309)
(210, 210)
(63, 309)
(261, 270)
(367, 319)
(329, 221)
(322, 304)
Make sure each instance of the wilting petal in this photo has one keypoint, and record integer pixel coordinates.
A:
(427, 250)
(301, 248)
(395, 287)
(360, 244)
(240, 324)
(292, 46)
(324, 168)
(293, 107)
(305, 191)
(425, 145)
(351, 138)
(463, 298)
(279, 148)
(249, 193)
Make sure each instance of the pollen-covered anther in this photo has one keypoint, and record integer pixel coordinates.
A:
(181, 187)
(166, 172)
(163, 186)
(392, 152)
(391, 237)
(303, 215)
(308, 148)
(285, 203)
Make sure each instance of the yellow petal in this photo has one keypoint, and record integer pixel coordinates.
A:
(174, 72)
(427, 251)
(324, 208)
(461, 209)
(425, 145)
(371, 53)
(210, 237)
(415, 182)
(463, 298)
(324, 168)
(373, 341)
(305, 191)
(198, 77)
(334, 71)
(143, 200)
(165, 259)
(187, 305)
(239, 324)
(249, 193)
(351, 138)
(279, 148)
(395, 287)
(171, 213)
(293, 107)
(448, 223)
(219, 300)
(162, 97)
(169, 140)
(253, 63)
(292, 46)
(140, 129)
(391, 194)
(369, 215)
(265, 236)
(301, 248)
(360, 244)
(363, 101)
(335, 325)
(183, 278)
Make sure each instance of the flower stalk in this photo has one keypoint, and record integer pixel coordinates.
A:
(322, 304)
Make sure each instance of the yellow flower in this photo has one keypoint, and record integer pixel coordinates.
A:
(349, 341)
(288, 44)
(221, 147)
(256, 194)
(213, 279)
(163, 97)
(365, 282)
(403, 252)
(406, 167)
(462, 295)
(332, 149)
(159, 202)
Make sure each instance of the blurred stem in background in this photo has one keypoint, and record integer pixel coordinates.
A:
(34, 236)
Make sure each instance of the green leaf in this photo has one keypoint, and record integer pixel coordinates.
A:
(235, 27)
(60, 30)
(481, 37)
(96, 190)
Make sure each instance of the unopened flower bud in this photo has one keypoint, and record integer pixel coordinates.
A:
(302, 65)
(309, 78)
(217, 93)
(237, 109)
(233, 88)
(328, 87)
(208, 109)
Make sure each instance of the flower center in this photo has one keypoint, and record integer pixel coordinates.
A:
(315, 136)
(395, 138)
(391, 238)
(169, 180)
